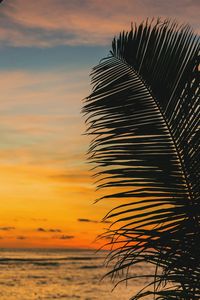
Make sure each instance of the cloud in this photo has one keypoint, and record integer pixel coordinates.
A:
(21, 237)
(64, 237)
(7, 228)
(54, 230)
(71, 176)
(48, 23)
(91, 221)
(36, 86)
(32, 120)
(40, 229)
(106, 222)
(86, 220)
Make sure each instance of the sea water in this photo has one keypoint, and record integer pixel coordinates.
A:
(60, 274)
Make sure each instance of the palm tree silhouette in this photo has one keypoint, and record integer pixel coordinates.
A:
(144, 114)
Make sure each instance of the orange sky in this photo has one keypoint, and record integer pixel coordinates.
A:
(46, 188)
(47, 49)
(45, 183)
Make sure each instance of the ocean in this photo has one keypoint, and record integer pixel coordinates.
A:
(60, 274)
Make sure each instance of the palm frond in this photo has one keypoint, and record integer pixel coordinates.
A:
(144, 116)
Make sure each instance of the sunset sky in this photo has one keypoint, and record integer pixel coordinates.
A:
(47, 50)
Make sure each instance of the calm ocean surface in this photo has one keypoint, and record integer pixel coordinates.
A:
(59, 274)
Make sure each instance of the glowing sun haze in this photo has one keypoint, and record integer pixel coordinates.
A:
(47, 49)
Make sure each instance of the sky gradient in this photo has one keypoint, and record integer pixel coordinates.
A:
(47, 50)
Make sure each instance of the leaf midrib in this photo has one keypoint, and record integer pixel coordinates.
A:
(179, 158)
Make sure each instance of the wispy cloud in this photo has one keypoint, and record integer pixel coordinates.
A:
(7, 228)
(91, 221)
(21, 87)
(64, 237)
(83, 176)
(40, 109)
(21, 237)
(106, 222)
(49, 23)
(87, 220)
(40, 229)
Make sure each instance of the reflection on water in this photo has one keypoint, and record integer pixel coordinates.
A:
(59, 274)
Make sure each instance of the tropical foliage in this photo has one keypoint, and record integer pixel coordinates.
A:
(144, 116)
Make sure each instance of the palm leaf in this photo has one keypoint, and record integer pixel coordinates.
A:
(144, 116)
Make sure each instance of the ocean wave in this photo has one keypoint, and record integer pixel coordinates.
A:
(46, 264)
(90, 267)
(44, 260)
(66, 296)
(36, 277)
